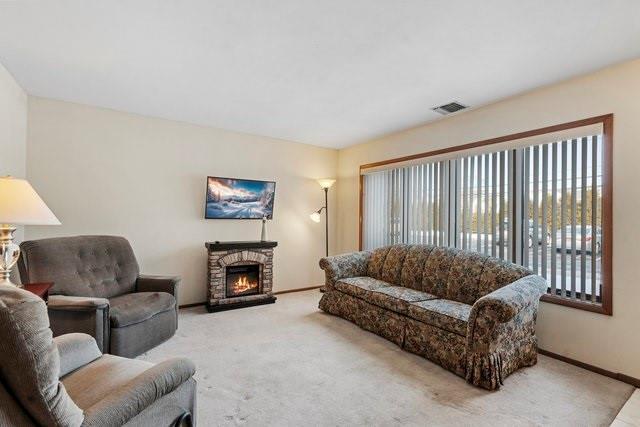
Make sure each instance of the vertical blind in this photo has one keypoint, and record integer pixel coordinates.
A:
(405, 205)
(484, 222)
(564, 209)
(539, 206)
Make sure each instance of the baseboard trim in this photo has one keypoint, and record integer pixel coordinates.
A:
(615, 375)
(288, 291)
(194, 304)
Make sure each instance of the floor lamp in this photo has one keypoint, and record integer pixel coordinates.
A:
(315, 217)
(325, 184)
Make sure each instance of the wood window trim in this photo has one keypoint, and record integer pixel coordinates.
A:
(606, 307)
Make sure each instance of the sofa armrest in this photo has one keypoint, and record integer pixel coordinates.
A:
(338, 267)
(87, 315)
(76, 350)
(501, 330)
(168, 284)
(123, 404)
(505, 303)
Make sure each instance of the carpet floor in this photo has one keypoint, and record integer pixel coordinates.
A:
(289, 364)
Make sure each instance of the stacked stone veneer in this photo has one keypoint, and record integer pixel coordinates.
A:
(218, 262)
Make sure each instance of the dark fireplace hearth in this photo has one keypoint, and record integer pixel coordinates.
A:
(243, 280)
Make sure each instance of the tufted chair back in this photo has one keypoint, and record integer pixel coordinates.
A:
(87, 266)
(454, 274)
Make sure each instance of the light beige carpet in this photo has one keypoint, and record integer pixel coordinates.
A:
(289, 364)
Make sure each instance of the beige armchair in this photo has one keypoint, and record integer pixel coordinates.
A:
(67, 381)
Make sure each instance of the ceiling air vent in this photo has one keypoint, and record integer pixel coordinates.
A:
(449, 108)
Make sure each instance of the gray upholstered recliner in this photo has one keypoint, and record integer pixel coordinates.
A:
(66, 381)
(98, 291)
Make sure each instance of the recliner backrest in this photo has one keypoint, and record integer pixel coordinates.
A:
(11, 413)
(89, 266)
(30, 362)
(450, 273)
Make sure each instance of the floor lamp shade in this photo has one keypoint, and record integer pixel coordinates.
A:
(326, 182)
(19, 205)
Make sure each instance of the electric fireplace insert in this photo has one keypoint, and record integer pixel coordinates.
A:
(242, 280)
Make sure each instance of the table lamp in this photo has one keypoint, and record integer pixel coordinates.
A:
(19, 205)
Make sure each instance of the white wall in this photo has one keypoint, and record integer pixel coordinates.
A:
(13, 133)
(13, 126)
(107, 172)
(608, 342)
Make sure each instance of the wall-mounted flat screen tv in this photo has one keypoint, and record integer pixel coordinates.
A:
(231, 198)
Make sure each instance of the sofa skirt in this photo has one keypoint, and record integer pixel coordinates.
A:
(445, 348)
(442, 347)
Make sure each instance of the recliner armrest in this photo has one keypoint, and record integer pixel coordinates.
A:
(64, 302)
(76, 350)
(69, 314)
(128, 401)
(168, 284)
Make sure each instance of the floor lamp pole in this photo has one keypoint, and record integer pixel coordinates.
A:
(326, 221)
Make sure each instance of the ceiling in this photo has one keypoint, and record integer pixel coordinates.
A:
(325, 72)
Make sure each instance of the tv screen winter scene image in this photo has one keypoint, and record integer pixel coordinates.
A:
(230, 198)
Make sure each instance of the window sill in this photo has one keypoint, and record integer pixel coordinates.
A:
(580, 305)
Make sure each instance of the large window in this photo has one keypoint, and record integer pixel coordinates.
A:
(541, 199)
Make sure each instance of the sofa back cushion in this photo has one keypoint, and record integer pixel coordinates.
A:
(435, 274)
(88, 266)
(376, 262)
(413, 267)
(453, 274)
(29, 360)
(498, 273)
(393, 263)
(464, 275)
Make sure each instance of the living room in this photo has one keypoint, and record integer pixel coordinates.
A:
(256, 209)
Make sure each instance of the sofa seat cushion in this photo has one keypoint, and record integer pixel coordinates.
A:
(381, 293)
(449, 315)
(360, 286)
(134, 308)
(397, 298)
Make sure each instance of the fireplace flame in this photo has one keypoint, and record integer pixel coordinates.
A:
(242, 284)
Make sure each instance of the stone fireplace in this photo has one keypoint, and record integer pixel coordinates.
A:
(240, 274)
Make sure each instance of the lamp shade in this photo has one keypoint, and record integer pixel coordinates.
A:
(326, 182)
(21, 205)
(315, 217)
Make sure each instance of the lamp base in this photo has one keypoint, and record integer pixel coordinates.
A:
(10, 283)
(9, 254)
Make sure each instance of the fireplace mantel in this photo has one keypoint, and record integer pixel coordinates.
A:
(225, 246)
(229, 255)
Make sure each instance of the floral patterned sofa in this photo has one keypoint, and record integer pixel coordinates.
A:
(472, 314)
